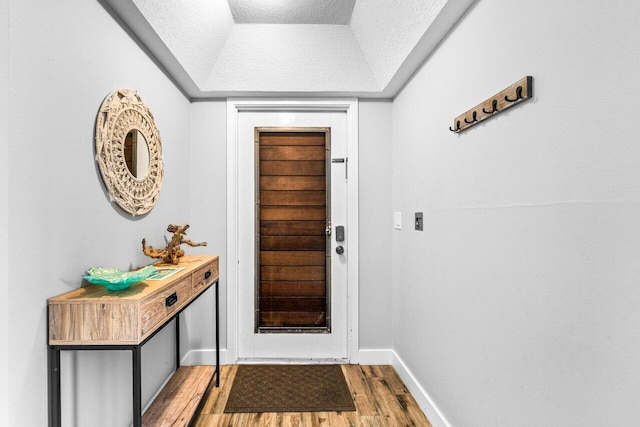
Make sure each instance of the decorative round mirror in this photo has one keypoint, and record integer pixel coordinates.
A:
(129, 151)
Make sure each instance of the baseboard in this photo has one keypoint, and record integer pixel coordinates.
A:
(425, 402)
(203, 357)
(381, 356)
(208, 357)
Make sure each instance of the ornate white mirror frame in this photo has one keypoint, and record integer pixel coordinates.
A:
(123, 112)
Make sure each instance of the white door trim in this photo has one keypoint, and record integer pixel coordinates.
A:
(234, 108)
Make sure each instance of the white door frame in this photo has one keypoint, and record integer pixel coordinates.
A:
(234, 108)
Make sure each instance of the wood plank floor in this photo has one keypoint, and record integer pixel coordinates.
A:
(379, 394)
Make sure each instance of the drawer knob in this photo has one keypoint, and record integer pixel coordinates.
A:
(171, 299)
(207, 275)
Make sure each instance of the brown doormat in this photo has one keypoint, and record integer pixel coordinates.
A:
(289, 388)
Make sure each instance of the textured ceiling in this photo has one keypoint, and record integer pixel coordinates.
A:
(335, 12)
(220, 48)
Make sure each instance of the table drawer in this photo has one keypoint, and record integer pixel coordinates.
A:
(205, 276)
(164, 305)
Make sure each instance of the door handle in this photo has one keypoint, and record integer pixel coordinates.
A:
(339, 250)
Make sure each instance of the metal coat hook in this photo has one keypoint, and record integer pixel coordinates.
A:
(474, 116)
(518, 95)
(494, 107)
(457, 129)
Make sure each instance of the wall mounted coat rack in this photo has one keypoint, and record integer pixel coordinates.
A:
(516, 93)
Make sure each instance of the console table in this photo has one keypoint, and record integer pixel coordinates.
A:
(94, 318)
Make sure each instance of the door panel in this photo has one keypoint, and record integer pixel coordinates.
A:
(303, 305)
(293, 258)
(284, 319)
(295, 273)
(298, 228)
(292, 213)
(302, 167)
(292, 183)
(298, 242)
(300, 138)
(278, 153)
(292, 198)
(308, 288)
(289, 256)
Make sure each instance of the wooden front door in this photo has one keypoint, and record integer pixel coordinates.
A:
(292, 215)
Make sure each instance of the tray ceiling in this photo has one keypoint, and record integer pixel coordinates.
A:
(222, 48)
(334, 12)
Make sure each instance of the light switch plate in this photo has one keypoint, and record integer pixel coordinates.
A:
(397, 220)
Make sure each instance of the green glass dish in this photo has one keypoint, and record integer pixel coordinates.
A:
(117, 280)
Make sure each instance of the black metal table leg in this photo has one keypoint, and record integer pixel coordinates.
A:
(177, 342)
(53, 364)
(217, 336)
(137, 386)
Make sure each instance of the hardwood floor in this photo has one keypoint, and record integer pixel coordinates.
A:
(380, 397)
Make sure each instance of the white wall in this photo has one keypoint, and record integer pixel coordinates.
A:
(375, 217)
(518, 303)
(208, 195)
(65, 57)
(4, 211)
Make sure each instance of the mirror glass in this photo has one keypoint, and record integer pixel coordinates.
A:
(136, 154)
